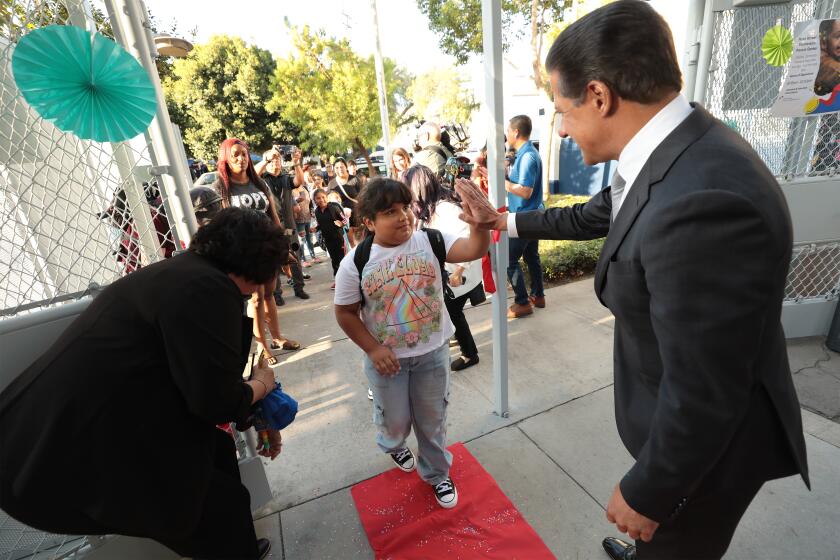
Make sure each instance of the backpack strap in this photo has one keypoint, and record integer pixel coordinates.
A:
(438, 150)
(439, 249)
(360, 259)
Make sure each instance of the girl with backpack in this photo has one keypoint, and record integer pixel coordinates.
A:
(389, 301)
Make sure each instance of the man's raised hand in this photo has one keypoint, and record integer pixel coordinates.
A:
(478, 212)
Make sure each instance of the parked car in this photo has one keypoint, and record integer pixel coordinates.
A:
(205, 179)
(380, 166)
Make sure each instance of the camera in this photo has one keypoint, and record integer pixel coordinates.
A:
(457, 167)
(285, 151)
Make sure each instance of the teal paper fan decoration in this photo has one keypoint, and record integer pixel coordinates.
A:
(84, 83)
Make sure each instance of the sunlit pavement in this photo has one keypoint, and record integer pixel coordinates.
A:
(557, 456)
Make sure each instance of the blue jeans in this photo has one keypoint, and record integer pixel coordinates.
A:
(416, 396)
(528, 249)
(306, 240)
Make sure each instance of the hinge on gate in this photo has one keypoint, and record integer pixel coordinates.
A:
(158, 170)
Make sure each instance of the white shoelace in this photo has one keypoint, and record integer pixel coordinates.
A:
(444, 487)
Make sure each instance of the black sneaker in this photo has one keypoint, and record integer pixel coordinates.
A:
(446, 494)
(278, 299)
(404, 459)
(463, 363)
(301, 294)
(307, 276)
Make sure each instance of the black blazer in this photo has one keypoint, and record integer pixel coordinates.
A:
(694, 269)
(113, 428)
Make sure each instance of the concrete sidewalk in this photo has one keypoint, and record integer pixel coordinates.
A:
(558, 455)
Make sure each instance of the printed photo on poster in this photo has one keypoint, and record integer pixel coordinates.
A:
(812, 85)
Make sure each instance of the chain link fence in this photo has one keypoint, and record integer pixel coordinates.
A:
(740, 90)
(76, 215)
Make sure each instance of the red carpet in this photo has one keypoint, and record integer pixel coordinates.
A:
(403, 521)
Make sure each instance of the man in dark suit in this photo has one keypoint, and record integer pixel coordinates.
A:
(698, 245)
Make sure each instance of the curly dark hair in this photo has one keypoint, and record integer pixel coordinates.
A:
(243, 242)
(378, 195)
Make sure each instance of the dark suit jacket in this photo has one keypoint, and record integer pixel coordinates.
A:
(113, 428)
(694, 269)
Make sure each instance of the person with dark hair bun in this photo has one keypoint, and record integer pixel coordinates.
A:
(438, 207)
(147, 372)
(693, 268)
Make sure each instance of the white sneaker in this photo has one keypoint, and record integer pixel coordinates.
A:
(404, 459)
(370, 394)
(446, 494)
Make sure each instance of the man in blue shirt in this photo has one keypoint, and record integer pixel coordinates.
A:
(524, 188)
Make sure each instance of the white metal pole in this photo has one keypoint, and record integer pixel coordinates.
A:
(129, 21)
(705, 58)
(383, 92)
(691, 49)
(491, 17)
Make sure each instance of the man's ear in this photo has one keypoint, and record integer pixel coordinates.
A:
(601, 96)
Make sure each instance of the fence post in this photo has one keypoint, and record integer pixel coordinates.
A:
(131, 28)
(491, 14)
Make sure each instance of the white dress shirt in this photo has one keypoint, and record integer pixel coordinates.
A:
(638, 150)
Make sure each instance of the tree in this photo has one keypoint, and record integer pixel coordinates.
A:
(440, 95)
(329, 93)
(459, 24)
(222, 90)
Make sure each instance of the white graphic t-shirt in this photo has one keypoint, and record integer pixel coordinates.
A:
(404, 307)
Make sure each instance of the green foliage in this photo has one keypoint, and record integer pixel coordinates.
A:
(440, 95)
(329, 93)
(567, 260)
(221, 90)
(16, 17)
(458, 22)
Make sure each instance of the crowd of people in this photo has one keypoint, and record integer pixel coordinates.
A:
(693, 270)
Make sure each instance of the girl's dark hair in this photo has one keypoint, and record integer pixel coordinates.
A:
(243, 242)
(223, 182)
(625, 44)
(427, 191)
(316, 192)
(378, 195)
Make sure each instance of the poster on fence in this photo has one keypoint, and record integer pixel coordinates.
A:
(812, 85)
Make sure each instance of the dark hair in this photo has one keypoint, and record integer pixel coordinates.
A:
(427, 191)
(316, 192)
(339, 160)
(378, 195)
(625, 44)
(243, 242)
(522, 123)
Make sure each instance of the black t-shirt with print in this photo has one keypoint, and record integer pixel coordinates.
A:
(248, 196)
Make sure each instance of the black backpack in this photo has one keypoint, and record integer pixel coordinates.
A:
(362, 256)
